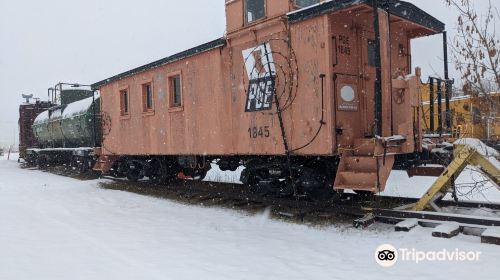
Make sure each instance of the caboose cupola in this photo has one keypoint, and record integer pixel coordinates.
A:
(241, 14)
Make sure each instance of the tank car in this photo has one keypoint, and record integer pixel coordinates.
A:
(312, 97)
(68, 132)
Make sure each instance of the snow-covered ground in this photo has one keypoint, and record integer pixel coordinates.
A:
(55, 227)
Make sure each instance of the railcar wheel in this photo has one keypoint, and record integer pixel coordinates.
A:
(317, 180)
(134, 175)
(31, 160)
(85, 165)
(253, 173)
(80, 164)
(156, 171)
(118, 170)
(43, 161)
(135, 171)
(161, 171)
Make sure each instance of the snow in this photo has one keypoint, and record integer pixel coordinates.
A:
(447, 228)
(407, 225)
(12, 157)
(490, 153)
(392, 138)
(78, 107)
(492, 232)
(308, 7)
(216, 175)
(62, 149)
(56, 227)
(70, 110)
(354, 2)
(41, 117)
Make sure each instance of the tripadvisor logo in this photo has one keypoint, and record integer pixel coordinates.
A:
(387, 255)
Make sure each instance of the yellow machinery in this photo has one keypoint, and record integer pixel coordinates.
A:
(470, 116)
(463, 155)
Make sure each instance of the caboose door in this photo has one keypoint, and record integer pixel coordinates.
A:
(347, 88)
(354, 85)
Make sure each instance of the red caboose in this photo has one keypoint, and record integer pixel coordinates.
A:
(308, 95)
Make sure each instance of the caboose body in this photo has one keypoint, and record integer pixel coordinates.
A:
(306, 97)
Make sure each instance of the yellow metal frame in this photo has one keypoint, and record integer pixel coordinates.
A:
(463, 155)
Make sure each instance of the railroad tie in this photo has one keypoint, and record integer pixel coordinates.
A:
(491, 236)
(447, 230)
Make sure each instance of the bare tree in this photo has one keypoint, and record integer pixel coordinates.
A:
(476, 48)
(476, 51)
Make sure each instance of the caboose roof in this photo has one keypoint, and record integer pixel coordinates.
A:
(400, 9)
(169, 59)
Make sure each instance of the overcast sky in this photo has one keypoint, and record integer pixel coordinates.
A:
(50, 41)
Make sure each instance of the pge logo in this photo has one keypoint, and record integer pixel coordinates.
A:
(386, 255)
(261, 71)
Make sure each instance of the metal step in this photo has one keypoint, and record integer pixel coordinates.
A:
(361, 163)
(358, 180)
(363, 173)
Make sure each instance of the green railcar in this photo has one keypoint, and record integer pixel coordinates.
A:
(73, 125)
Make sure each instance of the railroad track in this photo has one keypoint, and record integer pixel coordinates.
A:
(361, 211)
(351, 208)
(235, 196)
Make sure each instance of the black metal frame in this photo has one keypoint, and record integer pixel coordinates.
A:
(378, 71)
(448, 83)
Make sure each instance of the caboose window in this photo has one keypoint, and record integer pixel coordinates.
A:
(124, 109)
(254, 10)
(175, 91)
(305, 3)
(147, 97)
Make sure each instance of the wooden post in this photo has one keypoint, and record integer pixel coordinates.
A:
(8, 155)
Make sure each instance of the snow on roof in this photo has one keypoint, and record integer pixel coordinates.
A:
(400, 9)
(307, 7)
(42, 117)
(78, 107)
(70, 110)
